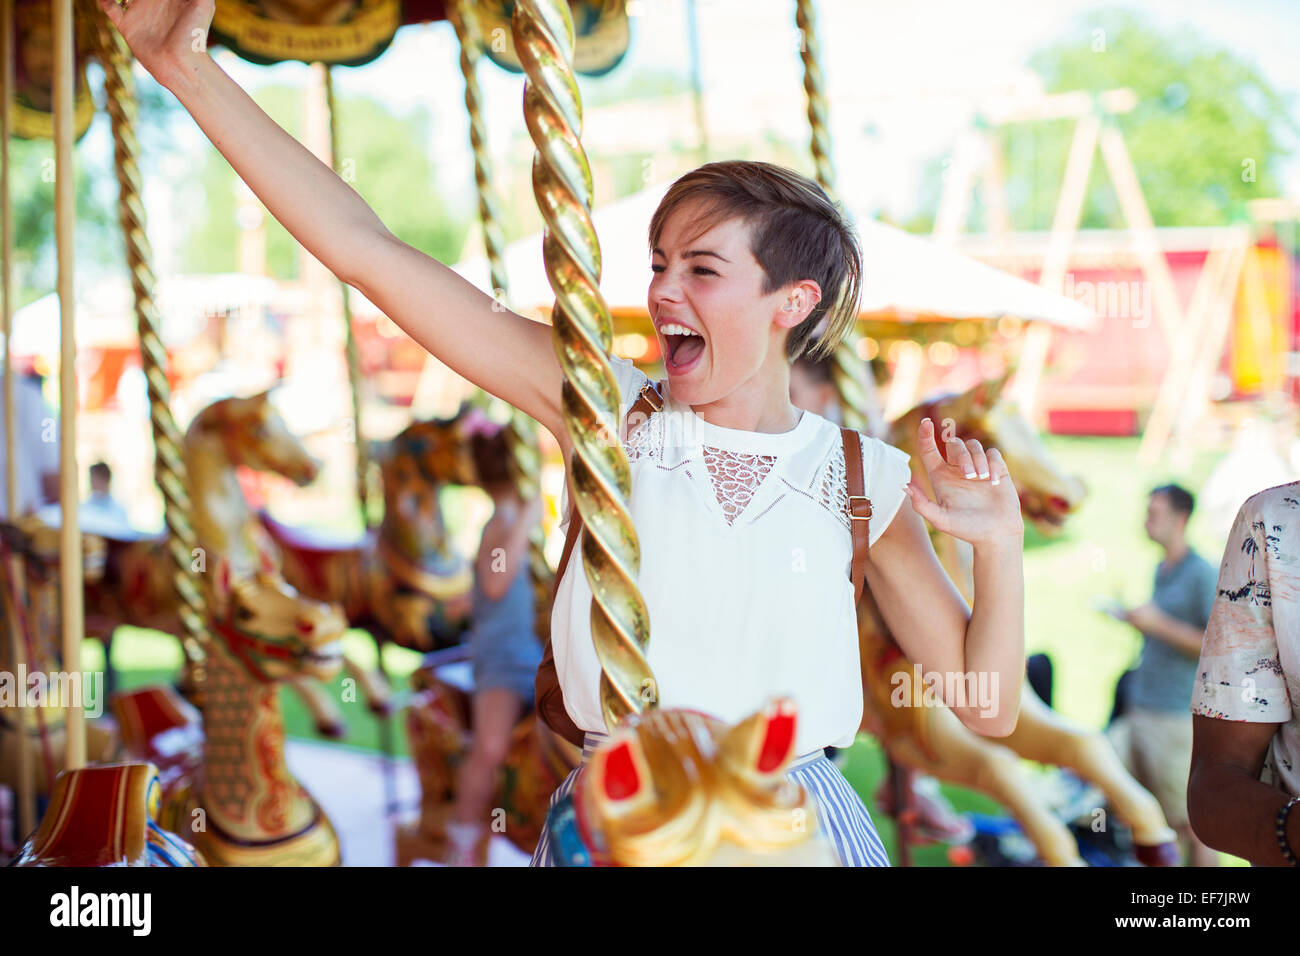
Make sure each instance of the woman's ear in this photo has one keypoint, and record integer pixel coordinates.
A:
(800, 299)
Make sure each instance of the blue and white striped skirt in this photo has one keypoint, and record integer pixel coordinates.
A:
(843, 814)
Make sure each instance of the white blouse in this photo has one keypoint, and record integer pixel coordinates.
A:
(745, 554)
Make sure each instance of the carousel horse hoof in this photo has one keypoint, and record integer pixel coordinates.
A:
(1158, 854)
(381, 708)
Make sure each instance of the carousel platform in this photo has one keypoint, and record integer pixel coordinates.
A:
(349, 784)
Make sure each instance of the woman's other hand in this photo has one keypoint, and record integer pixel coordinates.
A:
(975, 499)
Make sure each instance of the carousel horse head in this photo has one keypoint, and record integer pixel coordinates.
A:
(1048, 495)
(680, 788)
(429, 581)
(256, 436)
(274, 631)
(106, 816)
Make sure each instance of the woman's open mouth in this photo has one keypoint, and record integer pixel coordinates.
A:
(684, 347)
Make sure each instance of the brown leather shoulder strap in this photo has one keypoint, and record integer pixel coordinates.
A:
(859, 508)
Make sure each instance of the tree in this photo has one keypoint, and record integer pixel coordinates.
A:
(381, 155)
(31, 179)
(1207, 135)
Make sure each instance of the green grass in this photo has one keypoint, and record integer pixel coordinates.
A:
(1103, 552)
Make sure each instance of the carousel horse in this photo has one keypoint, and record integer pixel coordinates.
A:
(32, 616)
(106, 816)
(136, 588)
(225, 786)
(438, 729)
(403, 583)
(927, 736)
(681, 788)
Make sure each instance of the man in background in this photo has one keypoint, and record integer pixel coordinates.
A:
(36, 448)
(1153, 734)
(101, 504)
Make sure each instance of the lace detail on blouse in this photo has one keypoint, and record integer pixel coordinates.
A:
(646, 442)
(830, 488)
(736, 477)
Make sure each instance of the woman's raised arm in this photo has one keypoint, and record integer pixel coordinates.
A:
(502, 352)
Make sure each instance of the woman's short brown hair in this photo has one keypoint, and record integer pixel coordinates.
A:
(796, 233)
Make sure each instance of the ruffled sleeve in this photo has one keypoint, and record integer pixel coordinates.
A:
(885, 470)
(630, 381)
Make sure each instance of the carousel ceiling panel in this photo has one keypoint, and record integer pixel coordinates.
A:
(33, 98)
(600, 27)
(341, 32)
(354, 32)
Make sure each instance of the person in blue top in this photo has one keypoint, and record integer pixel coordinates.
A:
(502, 639)
(1154, 730)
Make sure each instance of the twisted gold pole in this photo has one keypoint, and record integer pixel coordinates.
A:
(521, 437)
(350, 347)
(169, 467)
(583, 335)
(850, 371)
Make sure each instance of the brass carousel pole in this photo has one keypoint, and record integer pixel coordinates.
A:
(26, 795)
(583, 335)
(169, 467)
(350, 347)
(849, 371)
(70, 576)
(521, 436)
(850, 374)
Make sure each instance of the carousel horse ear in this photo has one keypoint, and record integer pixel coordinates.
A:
(222, 585)
(266, 561)
(620, 778)
(764, 743)
(986, 394)
(620, 773)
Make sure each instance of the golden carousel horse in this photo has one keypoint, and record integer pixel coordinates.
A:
(438, 731)
(404, 582)
(32, 616)
(225, 785)
(928, 736)
(681, 788)
(136, 587)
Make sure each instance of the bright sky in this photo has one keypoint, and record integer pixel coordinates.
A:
(904, 79)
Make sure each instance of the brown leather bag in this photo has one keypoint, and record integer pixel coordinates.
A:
(546, 686)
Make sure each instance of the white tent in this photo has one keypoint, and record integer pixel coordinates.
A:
(106, 311)
(903, 274)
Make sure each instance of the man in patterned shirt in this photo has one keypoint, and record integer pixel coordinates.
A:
(1246, 746)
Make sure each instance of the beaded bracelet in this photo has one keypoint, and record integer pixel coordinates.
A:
(1282, 841)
